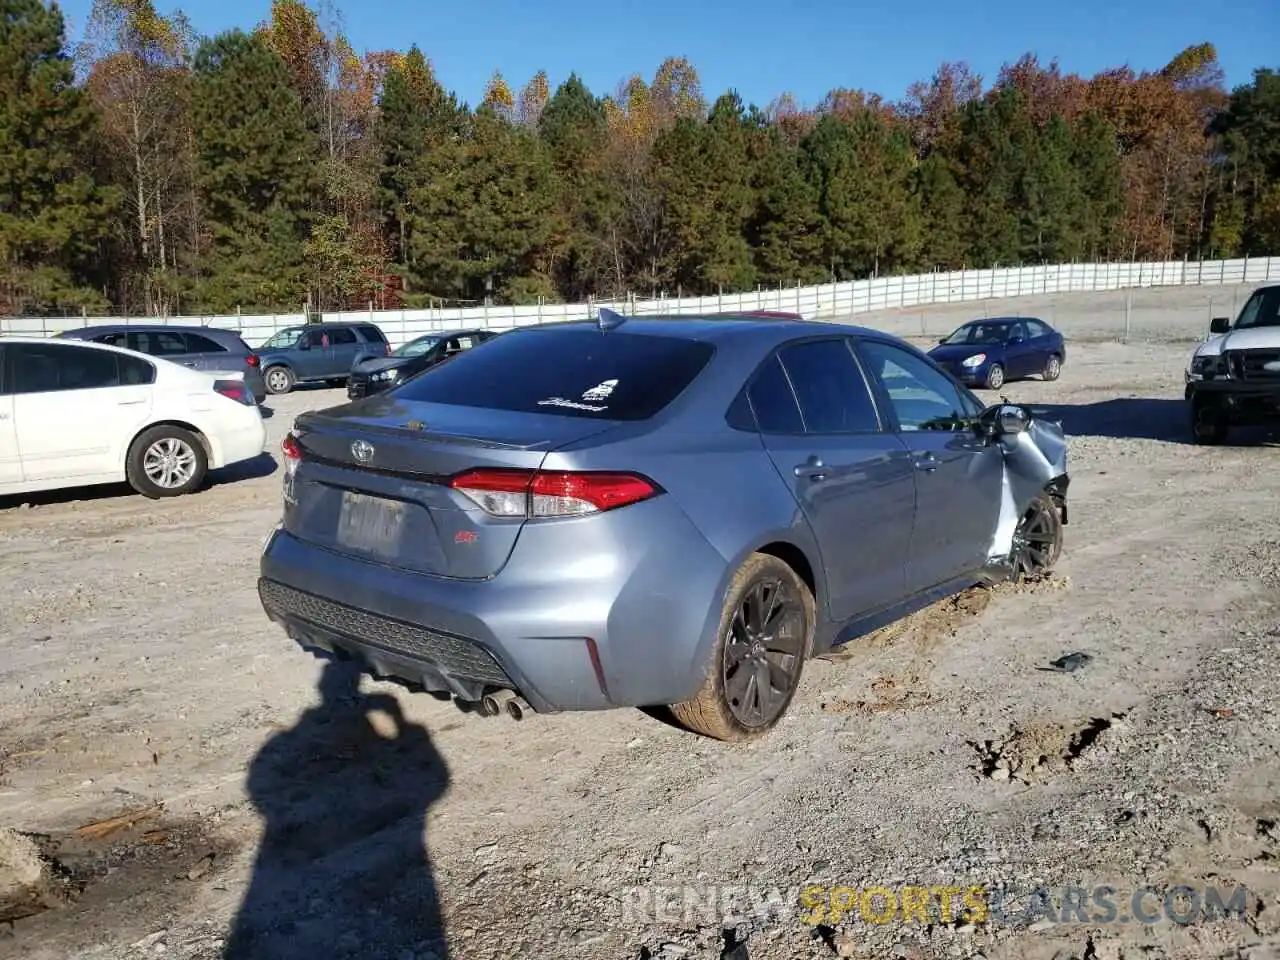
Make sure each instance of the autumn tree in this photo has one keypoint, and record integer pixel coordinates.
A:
(532, 100)
(138, 81)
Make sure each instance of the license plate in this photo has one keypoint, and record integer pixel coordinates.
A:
(370, 524)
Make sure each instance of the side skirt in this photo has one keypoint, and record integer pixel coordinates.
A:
(861, 626)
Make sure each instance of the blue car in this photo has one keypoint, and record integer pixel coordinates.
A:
(642, 512)
(987, 353)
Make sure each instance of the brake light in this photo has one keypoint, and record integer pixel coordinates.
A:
(530, 493)
(234, 390)
(290, 448)
(252, 360)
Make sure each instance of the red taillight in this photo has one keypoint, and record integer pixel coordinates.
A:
(252, 360)
(234, 390)
(529, 493)
(289, 447)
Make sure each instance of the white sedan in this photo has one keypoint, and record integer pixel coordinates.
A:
(77, 414)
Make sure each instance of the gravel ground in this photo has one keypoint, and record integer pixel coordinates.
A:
(256, 788)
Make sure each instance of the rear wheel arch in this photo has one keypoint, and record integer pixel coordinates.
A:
(797, 560)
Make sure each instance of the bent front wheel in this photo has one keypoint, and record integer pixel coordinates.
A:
(1037, 540)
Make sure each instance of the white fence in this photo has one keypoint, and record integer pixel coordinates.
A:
(828, 301)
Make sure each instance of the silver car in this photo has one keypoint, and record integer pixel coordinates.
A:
(634, 512)
(201, 348)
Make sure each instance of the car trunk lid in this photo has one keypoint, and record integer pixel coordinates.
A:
(372, 481)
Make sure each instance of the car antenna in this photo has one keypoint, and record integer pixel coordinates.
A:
(609, 320)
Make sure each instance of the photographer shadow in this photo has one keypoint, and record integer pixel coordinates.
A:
(342, 867)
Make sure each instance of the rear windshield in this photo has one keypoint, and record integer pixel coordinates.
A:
(571, 372)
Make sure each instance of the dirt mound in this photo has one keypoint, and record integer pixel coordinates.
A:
(31, 881)
(1030, 753)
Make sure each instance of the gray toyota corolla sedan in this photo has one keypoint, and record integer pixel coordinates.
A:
(644, 512)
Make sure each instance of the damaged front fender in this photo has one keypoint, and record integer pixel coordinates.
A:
(1035, 461)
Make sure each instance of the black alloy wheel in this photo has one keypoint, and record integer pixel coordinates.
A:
(1037, 540)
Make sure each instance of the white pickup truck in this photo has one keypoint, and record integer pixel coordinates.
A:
(1233, 378)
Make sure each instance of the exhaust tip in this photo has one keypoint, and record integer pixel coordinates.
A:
(491, 704)
(517, 707)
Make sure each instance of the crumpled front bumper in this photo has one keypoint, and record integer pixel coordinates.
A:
(1035, 461)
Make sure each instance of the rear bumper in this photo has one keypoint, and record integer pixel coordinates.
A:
(257, 386)
(243, 443)
(625, 624)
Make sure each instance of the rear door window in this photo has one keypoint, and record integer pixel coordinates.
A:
(570, 372)
(341, 336)
(196, 343)
(158, 343)
(773, 402)
(833, 396)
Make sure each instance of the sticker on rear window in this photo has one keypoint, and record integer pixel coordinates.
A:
(601, 391)
(562, 402)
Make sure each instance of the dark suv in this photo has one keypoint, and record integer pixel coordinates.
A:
(318, 352)
(202, 348)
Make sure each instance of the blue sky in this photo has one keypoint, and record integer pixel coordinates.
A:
(764, 48)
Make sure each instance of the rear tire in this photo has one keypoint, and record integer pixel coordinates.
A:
(1208, 425)
(1053, 367)
(765, 636)
(166, 461)
(995, 377)
(279, 380)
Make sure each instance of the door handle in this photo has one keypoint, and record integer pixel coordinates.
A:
(811, 469)
(928, 463)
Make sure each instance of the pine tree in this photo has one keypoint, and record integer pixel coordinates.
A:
(786, 227)
(258, 173)
(415, 116)
(54, 213)
(482, 217)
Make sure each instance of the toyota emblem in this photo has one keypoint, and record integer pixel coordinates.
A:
(362, 450)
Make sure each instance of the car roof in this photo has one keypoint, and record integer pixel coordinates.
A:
(131, 327)
(82, 345)
(999, 320)
(720, 328)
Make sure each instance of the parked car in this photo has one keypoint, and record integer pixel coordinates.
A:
(201, 348)
(78, 414)
(641, 512)
(318, 352)
(1233, 378)
(988, 353)
(378, 374)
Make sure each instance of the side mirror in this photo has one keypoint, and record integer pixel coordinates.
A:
(1219, 324)
(1015, 340)
(1004, 419)
(304, 343)
(1011, 419)
(942, 339)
